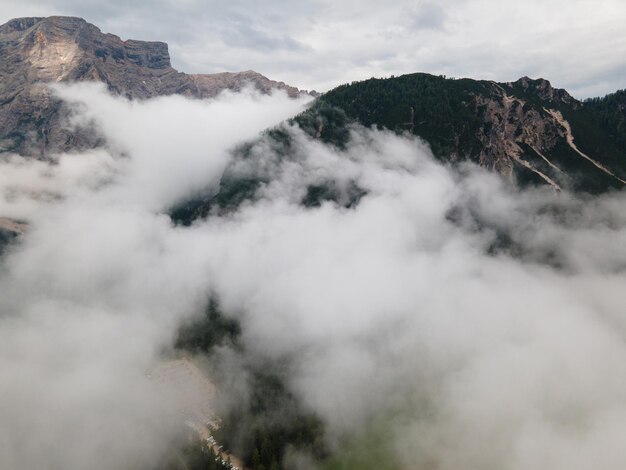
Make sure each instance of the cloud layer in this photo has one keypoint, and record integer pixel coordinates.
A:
(100, 282)
(483, 325)
(484, 320)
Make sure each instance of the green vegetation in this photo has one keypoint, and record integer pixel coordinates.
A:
(441, 111)
(596, 139)
(272, 419)
(370, 449)
(207, 331)
(610, 113)
(446, 113)
(237, 189)
(327, 121)
(233, 192)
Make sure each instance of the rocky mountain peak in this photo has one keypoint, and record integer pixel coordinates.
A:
(63, 48)
(37, 51)
(543, 89)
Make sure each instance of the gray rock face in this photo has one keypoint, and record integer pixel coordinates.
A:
(510, 123)
(525, 128)
(544, 90)
(37, 51)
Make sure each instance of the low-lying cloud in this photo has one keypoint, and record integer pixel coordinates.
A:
(100, 282)
(481, 323)
(488, 353)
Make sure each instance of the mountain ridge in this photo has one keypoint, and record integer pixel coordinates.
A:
(36, 51)
(525, 129)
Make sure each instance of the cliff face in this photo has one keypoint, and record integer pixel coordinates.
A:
(510, 125)
(70, 49)
(526, 129)
(38, 51)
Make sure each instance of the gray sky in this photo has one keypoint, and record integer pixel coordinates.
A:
(576, 44)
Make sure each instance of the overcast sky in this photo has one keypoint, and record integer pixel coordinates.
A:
(576, 44)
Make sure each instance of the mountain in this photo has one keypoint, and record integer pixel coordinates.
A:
(38, 51)
(527, 129)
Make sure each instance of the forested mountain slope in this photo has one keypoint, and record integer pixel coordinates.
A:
(525, 128)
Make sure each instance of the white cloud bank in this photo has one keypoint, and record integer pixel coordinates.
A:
(101, 280)
(430, 301)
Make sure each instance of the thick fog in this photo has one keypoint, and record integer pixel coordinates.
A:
(478, 325)
(100, 281)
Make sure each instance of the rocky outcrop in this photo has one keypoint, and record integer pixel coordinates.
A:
(208, 85)
(509, 123)
(524, 127)
(543, 89)
(37, 51)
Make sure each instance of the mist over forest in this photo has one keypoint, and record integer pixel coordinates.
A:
(362, 305)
